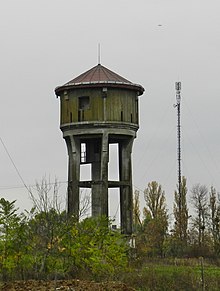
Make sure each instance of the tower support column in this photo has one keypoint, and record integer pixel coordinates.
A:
(100, 180)
(104, 174)
(126, 192)
(96, 195)
(73, 146)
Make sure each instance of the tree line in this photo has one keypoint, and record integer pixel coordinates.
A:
(46, 242)
(181, 234)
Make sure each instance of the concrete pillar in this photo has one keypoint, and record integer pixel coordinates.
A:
(100, 180)
(96, 195)
(125, 175)
(73, 146)
(104, 175)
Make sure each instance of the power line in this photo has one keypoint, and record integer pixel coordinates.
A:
(13, 163)
(19, 174)
(29, 186)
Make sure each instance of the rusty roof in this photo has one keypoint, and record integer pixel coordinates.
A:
(99, 76)
(98, 73)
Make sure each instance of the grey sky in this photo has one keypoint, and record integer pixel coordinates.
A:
(46, 43)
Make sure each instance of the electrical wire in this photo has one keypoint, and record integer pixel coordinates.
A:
(13, 163)
(202, 137)
(29, 186)
(19, 174)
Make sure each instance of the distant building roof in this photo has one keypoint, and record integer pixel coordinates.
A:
(97, 77)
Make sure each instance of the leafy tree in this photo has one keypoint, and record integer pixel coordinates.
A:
(9, 230)
(155, 199)
(180, 231)
(156, 218)
(180, 212)
(214, 209)
(93, 247)
(46, 230)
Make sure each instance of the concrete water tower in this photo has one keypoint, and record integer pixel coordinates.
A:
(98, 108)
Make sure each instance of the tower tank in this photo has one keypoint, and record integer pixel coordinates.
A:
(99, 108)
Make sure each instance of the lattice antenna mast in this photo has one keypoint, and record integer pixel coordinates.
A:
(178, 99)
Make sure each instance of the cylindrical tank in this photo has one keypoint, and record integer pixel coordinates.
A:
(99, 95)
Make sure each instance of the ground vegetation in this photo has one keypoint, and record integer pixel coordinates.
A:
(46, 249)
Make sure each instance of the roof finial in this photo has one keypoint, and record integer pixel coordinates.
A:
(99, 54)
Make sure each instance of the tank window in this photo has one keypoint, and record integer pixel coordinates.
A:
(104, 92)
(66, 96)
(84, 102)
(83, 153)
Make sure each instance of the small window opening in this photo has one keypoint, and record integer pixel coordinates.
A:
(84, 103)
(66, 96)
(71, 117)
(104, 92)
(121, 115)
(83, 153)
(131, 118)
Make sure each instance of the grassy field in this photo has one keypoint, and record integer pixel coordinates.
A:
(153, 275)
(182, 275)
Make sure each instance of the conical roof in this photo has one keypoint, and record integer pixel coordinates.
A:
(97, 77)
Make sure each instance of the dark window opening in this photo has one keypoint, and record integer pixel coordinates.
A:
(131, 118)
(84, 103)
(71, 117)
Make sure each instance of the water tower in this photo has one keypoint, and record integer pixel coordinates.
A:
(99, 108)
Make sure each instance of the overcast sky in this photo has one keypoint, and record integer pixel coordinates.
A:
(154, 43)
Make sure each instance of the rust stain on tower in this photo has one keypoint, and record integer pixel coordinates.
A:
(98, 108)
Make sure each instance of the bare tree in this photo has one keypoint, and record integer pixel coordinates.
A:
(136, 210)
(85, 204)
(45, 196)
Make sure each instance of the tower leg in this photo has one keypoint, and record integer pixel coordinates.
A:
(73, 145)
(96, 193)
(104, 175)
(126, 195)
(100, 180)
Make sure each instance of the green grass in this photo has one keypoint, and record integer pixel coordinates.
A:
(174, 277)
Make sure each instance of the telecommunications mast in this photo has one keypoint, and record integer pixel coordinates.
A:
(177, 105)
